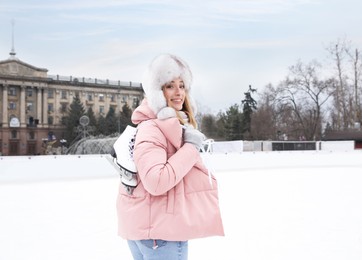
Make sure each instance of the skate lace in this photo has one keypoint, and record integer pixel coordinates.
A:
(206, 157)
(131, 145)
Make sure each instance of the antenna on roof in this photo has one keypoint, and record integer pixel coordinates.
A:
(12, 52)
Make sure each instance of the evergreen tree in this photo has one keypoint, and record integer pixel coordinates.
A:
(101, 122)
(249, 105)
(233, 123)
(92, 121)
(91, 116)
(220, 125)
(125, 118)
(111, 124)
(71, 120)
(208, 126)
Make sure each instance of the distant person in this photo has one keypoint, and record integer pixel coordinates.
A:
(175, 199)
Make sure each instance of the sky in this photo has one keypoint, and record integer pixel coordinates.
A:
(229, 44)
(294, 205)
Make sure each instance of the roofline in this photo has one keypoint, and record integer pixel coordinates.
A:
(50, 81)
(23, 63)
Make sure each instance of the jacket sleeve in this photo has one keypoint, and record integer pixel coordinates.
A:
(157, 172)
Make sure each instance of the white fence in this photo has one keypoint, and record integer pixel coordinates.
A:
(254, 146)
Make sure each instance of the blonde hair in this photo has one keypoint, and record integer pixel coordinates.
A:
(187, 109)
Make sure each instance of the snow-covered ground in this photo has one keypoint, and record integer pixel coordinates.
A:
(275, 206)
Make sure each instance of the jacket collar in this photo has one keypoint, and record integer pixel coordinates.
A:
(170, 127)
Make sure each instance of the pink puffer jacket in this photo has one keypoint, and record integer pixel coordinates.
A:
(174, 200)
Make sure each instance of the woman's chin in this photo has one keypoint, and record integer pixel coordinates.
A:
(177, 107)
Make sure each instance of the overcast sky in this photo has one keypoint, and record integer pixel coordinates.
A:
(229, 44)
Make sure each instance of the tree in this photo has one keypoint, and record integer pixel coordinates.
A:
(264, 119)
(71, 120)
(111, 122)
(232, 120)
(220, 125)
(101, 122)
(355, 58)
(249, 106)
(209, 126)
(125, 118)
(341, 116)
(304, 94)
(92, 121)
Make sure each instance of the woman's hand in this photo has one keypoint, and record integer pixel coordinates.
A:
(194, 136)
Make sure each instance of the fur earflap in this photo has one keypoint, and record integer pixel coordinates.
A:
(163, 69)
(166, 112)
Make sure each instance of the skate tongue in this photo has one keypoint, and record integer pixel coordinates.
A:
(123, 158)
(124, 147)
(208, 143)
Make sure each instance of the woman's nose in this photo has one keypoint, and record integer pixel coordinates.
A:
(178, 89)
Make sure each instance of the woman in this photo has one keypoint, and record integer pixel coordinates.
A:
(175, 199)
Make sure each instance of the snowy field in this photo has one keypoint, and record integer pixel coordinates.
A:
(275, 206)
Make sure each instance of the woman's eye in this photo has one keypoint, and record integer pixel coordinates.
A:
(170, 86)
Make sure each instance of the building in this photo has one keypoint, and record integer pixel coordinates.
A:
(354, 135)
(33, 103)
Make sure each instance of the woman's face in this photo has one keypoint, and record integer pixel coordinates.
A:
(174, 93)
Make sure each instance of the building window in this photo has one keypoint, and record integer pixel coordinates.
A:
(12, 105)
(136, 102)
(113, 98)
(64, 94)
(12, 91)
(29, 92)
(50, 120)
(124, 99)
(14, 134)
(51, 136)
(31, 135)
(63, 108)
(101, 97)
(50, 107)
(29, 106)
(50, 93)
(31, 121)
(101, 109)
(90, 97)
(114, 108)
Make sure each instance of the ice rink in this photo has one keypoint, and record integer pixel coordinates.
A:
(275, 206)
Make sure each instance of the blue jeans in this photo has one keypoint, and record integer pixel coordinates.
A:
(158, 249)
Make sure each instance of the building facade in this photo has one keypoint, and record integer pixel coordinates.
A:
(33, 103)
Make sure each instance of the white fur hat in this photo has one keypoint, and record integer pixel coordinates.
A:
(163, 69)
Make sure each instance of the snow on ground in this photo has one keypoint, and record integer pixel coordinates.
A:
(275, 206)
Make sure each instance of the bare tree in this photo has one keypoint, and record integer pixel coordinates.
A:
(304, 94)
(336, 50)
(346, 93)
(355, 59)
(264, 119)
